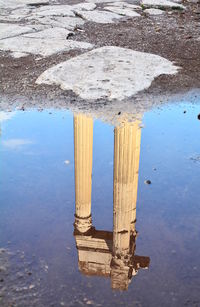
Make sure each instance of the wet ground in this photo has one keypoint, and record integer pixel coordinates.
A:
(45, 260)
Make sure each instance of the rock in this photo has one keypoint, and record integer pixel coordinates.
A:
(161, 4)
(19, 275)
(127, 72)
(54, 10)
(70, 35)
(122, 11)
(13, 4)
(84, 7)
(122, 4)
(69, 23)
(3, 268)
(153, 11)
(51, 33)
(10, 30)
(40, 46)
(99, 16)
(147, 181)
(102, 1)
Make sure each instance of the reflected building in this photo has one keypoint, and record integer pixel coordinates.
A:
(105, 253)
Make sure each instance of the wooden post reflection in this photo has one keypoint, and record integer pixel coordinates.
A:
(83, 150)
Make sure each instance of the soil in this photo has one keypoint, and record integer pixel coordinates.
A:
(175, 35)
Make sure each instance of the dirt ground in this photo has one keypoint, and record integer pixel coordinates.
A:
(175, 35)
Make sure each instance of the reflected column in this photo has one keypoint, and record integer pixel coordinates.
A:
(83, 150)
(126, 167)
(136, 174)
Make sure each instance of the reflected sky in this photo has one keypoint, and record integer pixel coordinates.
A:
(37, 206)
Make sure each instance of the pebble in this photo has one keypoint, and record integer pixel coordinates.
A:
(70, 35)
(20, 275)
(147, 181)
(2, 268)
(46, 267)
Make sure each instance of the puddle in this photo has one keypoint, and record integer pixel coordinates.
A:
(60, 246)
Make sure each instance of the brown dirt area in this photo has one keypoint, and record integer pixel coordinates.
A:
(174, 35)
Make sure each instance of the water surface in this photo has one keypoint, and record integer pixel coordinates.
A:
(56, 254)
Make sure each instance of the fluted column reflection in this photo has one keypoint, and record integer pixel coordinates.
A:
(83, 150)
(126, 166)
(104, 253)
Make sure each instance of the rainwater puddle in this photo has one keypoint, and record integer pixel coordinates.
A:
(60, 246)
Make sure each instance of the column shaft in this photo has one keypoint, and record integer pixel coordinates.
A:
(83, 150)
(126, 141)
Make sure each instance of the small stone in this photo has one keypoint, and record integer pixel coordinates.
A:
(46, 267)
(80, 30)
(119, 113)
(70, 35)
(20, 275)
(147, 181)
(188, 37)
(154, 11)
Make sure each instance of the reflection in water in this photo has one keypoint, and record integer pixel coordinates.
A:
(105, 253)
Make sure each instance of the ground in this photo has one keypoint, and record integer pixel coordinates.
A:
(174, 35)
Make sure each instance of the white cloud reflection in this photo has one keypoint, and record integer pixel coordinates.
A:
(16, 143)
(6, 116)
